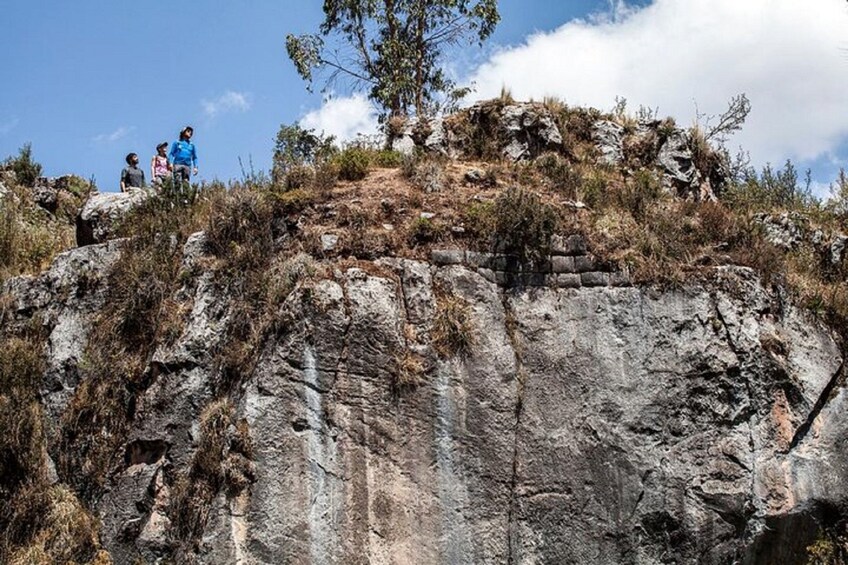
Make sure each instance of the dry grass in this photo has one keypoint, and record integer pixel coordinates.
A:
(453, 330)
(50, 525)
(29, 237)
(222, 460)
(22, 443)
(408, 373)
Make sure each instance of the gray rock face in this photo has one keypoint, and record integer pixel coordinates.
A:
(787, 230)
(608, 137)
(837, 249)
(678, 163)
(101, 213)
(528, 130)
(66, 297)
(584, 425)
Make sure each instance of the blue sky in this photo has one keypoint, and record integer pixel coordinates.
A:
(89, 81)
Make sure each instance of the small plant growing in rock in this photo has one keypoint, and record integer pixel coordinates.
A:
(453, 329)
(408, 371)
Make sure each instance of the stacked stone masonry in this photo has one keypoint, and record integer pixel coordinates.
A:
(570, 265)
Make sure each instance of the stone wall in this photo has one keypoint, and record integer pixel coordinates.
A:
(570, 265)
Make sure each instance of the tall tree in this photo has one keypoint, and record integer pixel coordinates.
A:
(395, 47)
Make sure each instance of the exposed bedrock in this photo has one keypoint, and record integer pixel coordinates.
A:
(584, 425)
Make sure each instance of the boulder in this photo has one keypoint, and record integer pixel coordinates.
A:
(526, 131)
(837, 249)
(608, 138)
(103, 211)
(678, 164)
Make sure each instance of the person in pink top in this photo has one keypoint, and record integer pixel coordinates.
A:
(160, 167)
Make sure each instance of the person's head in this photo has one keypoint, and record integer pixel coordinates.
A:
(160, 149)
(132, 159)
(186, 133)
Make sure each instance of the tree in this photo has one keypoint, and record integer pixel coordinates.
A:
(296, 146)
(395, 47)
(25, 168)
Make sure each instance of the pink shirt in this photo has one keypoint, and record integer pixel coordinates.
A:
(160, 166)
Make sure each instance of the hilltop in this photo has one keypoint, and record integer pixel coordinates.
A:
(525, 333)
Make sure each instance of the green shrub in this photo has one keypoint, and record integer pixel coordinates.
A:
(299, 176)
(353, 163)
(387, 159)
(296, 146)
(770, 190)
(522, 224)
(560, 174)
(26, 170)
(424, 230)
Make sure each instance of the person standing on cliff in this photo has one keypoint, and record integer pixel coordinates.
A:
(183, 156)
(132, 175)
(160, 167)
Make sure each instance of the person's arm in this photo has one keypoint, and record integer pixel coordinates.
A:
(194, 157)
(153, 168)
(123, 180)
(143, 183)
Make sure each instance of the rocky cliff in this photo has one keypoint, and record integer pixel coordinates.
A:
(442, 371)
(579, 425)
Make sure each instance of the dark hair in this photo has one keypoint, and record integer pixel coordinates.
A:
(161, 145)
(185, 130)
(129, 158)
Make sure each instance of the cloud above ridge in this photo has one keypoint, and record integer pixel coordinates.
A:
(344, 117)
(679, 56)
(788, 56)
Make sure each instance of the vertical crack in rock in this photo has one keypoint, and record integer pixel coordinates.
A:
(509, 323)
(822, 401)
(751, 417)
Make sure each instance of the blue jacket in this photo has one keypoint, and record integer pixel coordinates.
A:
(183, 153)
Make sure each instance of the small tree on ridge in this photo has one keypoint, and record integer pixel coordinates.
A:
(396, 47)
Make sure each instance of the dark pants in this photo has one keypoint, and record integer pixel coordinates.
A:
(182, 173)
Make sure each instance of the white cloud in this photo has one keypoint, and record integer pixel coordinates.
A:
(788, 56)
(9, 125)
(344, 118)
(230, 101)
(116, 135)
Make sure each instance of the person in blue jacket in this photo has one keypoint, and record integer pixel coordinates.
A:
(183, 155)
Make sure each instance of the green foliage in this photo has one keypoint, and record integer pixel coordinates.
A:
(770, 190)
(353, 163)
(26, 170)
(387, 159)
(560, 174)
(522, 224)
(424, 230)
(296, 146)
(838, 202)
(398, 48)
